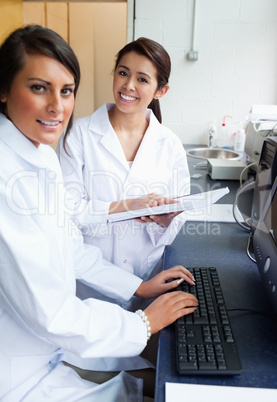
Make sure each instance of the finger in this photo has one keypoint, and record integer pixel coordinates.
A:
(139, 220)
(170, 201)
(185, 271)
(178, 273)
(185, 311)
(177, 281)
(160, 220)
(156, 202)
(181, 299)
(143, 220)
(160, 216)
(146, 219)
(153, 203)
(171, 287)
(160, 201)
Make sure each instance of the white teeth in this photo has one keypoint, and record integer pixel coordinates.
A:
(128, 98)
(50, 123)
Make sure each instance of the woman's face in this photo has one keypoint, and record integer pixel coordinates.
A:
(41, 99)
(135, 83)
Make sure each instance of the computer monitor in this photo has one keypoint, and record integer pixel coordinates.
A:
(265, 176)
(265, 245)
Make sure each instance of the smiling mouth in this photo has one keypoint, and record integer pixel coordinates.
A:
(127, 98)
(49, 123)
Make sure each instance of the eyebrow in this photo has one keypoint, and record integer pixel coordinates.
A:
(49, 83)
(138, 72)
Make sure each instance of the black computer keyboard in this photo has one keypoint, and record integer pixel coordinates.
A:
(204, 340)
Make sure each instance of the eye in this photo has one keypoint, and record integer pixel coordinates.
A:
(123, 73)
(38, 88)
(144, 80)
(67, 91)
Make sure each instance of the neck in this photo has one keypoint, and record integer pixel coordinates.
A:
(130, 129)
(132, 123)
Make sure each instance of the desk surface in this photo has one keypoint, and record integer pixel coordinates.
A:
(223, 245)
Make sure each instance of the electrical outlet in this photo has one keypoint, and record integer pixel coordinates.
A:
(193, 55)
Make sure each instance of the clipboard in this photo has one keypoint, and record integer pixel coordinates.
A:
(185, 203)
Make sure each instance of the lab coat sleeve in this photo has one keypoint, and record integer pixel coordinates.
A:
(39, 293)
(100, 274)
(84, 211)
(164, 236)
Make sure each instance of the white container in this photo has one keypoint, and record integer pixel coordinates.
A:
(225, 139)
(239, 140)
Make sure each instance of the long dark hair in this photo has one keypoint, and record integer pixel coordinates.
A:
(34, 39)
(158, 56)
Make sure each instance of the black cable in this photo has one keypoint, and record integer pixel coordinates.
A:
(248, 186)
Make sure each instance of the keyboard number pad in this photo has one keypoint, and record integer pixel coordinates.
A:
(203, 357)
(208, 355)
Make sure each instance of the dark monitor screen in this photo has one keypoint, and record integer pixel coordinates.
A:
(271, 219)
(266, 173)
(265, 245)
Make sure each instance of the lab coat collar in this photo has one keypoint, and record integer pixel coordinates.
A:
(20, 144)
(158, 132)
(99, 122)
(100, 125)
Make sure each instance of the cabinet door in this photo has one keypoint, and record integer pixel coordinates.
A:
(56, 18)
(81, 39)
(34, 13)
(50, 15)
(74, 22)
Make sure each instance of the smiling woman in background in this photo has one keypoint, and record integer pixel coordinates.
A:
(40, 315)
(122, 158)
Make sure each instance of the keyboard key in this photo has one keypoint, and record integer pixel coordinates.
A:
(201, 320)
(207, 365)
(188, 366)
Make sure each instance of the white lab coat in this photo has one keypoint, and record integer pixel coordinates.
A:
(96, 173)
(41, 253)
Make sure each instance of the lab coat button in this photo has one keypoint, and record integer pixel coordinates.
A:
(125, 261)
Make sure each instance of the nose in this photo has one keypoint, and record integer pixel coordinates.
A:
(55, 104)
(129, 84)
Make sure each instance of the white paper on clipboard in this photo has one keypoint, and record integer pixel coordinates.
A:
(187, 202)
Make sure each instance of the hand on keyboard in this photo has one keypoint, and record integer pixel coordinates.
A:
(168, 308)
(159, 284)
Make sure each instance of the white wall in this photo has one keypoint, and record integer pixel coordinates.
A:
(237, 65)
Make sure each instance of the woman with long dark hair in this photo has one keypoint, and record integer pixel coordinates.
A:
(42, 252)
(122, 158)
